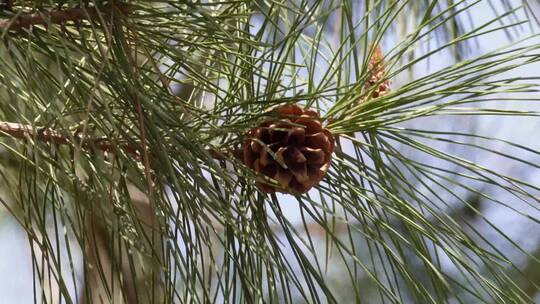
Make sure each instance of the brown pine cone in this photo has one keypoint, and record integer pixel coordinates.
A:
(294, 149)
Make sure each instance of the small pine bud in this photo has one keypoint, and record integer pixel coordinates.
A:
(376, 70)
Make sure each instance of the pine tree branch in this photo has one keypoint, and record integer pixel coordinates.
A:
(26, 21)
(48, 135)
(52, 136)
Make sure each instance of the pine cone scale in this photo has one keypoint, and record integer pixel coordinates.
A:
(297, 136)
(283, 177)
(299, 171)
(319, 141)
(314, 156)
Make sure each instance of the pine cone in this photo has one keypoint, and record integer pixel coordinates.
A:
(377, 69)
(294, 149)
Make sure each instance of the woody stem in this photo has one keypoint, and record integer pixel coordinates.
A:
(26, 21)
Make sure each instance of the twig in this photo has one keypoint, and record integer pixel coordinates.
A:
(55, 17)
(49, 135)
(5, 4)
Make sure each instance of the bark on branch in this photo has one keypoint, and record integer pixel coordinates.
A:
(26, 21)
(49, 135)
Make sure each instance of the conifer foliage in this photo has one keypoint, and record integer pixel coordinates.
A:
(272, 151)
